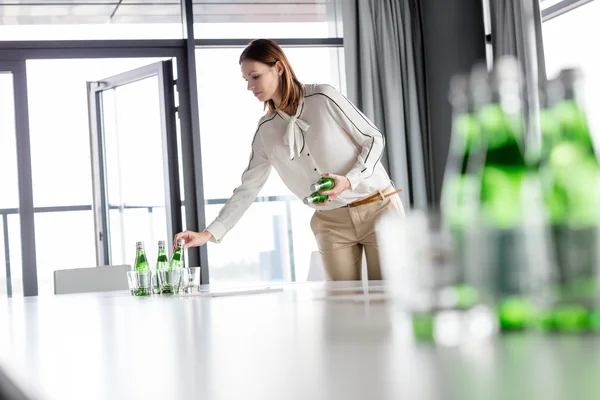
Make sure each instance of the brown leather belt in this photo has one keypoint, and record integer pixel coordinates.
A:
(372, 198)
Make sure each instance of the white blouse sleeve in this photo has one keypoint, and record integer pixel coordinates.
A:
(253, 179)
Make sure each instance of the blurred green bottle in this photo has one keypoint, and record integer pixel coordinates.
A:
(507, 185)
(571, 173)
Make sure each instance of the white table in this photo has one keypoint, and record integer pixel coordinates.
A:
(286, 345)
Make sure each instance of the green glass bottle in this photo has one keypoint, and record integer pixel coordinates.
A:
(575, 153)
(141, 262)
(502, 195)
(574, 173)
(177, 261)
(504, 169)
(553, 193)
(323, 184)
(141, 265)
(460, 198)
(162, 262)
(555, 203)
(316, 198)
(460, 190)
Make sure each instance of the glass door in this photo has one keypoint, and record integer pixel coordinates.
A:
(135, 162)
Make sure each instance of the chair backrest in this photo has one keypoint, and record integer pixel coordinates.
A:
(84, 280)
(316, 270)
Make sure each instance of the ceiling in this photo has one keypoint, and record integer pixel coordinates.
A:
(53, 12)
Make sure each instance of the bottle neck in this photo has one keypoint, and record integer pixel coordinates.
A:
(559, 90)
(320, 186)
(572, 92)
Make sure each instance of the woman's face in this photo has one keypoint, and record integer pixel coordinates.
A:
(263, 80)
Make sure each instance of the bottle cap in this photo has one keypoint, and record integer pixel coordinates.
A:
(570, 75)
(570, 80)
(459, 91)
(307, 200)
(507, 68)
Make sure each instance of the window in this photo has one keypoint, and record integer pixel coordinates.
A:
(59, 127)
(268, 19)
(10, 232)
(162, 19)
(61, 165)
(8, 156)
(90, 19)
(569, 40)
(273, 240)
(63, 240)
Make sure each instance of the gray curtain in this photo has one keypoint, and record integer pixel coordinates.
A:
(514, 22)
(517, 31)
(383, 44)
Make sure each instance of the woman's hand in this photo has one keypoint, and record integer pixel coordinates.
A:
(341, 184)
(193, 239)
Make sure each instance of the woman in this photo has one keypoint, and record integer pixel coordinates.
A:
(309, 132)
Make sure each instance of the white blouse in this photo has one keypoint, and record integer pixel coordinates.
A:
(328, 134)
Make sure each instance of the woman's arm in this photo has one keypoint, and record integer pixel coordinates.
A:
(253, 179)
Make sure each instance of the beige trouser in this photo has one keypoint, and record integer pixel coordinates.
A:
(343, 233)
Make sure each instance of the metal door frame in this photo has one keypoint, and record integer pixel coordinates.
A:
(21, 111)
(163, 70)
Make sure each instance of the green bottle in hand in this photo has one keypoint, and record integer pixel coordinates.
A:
(323, 184)
(173, 273)
(177, 259)
(316, 198)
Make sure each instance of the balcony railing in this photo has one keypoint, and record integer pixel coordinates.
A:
(5, 212)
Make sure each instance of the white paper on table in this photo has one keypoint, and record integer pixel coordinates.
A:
(236, 292)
